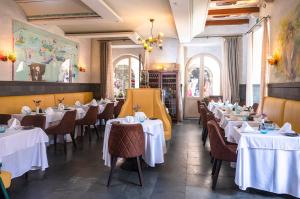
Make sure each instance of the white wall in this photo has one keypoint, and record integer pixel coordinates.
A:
(9, 11)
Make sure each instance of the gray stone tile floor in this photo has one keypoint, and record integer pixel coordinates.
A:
(184, 175)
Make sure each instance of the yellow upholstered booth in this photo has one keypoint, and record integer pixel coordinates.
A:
(274, 108)
(71, 98)
(13, 104)
(291, 114)
(149, 101)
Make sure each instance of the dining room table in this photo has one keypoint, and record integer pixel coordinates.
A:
(155, 145)
(22, 150)
(267, 160)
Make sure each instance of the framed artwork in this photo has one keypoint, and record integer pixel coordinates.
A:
(43, 56)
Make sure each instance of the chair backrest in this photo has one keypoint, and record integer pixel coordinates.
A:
(108, 112)
(90, 117)
(198, 105)
(126, 140)
(219, 149)
(4, 118)
(67, 124)
(203, 113)
(118, 108)
(34, 120)
(255, 107)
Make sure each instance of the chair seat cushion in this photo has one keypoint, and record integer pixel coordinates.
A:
(6, 178)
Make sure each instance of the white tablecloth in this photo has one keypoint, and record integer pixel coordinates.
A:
(155, 145)
(23, 150)
(55, 117)
(269, 162)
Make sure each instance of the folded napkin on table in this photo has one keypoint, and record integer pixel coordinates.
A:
(80, 111)
(13, 123)
(129, 119)
(286, 128)
(77, 103)
(140, 116)
(49, 110)
(26, 110)
(246, 128)
(93, 103)
(107, 100)
(61, 106)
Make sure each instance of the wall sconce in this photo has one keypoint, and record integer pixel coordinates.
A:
(11, 56)
(82, 69)
(273, 60)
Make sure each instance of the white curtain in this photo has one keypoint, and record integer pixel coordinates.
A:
(249, 83)
(264, 63)
(110, 72)
(226, 89)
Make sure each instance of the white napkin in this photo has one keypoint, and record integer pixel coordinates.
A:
(140, 116)
(107, 100)
(13, 123)
(49, 111)
(286, 128)
(26, 110)
(77, 103)
(80, 111)
(246, 128)
(129, 119)
(94, 103)
(61, 106)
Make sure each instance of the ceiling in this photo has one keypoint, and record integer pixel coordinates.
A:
(134, 15)
(183, 19)
(231, 12)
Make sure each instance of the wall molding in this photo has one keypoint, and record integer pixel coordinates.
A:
(289, 90)
(18, 88)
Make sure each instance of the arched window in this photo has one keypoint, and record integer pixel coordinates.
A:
(126, 74)
(203, 76)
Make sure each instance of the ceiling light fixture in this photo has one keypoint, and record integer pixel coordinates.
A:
(151, 41)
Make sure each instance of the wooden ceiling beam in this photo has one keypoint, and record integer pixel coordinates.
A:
(226, 22)
(233, 11)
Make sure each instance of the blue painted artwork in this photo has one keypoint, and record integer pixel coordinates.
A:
(43, 56)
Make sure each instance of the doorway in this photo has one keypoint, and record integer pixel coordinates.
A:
(203, 79)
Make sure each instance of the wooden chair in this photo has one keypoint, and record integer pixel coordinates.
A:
(199, 111)
(118, 108)
(108, 113)
(126, 141)
(4, 118)
(255, 107)
(203, 112)
(220, 151)
(89, 119)
(66, 126)
(34, 120)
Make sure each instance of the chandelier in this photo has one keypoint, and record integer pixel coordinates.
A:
(151, 41)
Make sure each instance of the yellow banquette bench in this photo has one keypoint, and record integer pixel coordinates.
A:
(149, 101)
(281, 110)
(13, 104)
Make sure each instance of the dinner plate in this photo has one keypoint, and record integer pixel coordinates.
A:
(27, 127)
(291, 134)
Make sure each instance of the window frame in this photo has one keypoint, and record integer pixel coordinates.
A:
(201, 75)
(129, 57)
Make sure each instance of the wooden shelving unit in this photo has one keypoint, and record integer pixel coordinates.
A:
(169, 83)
